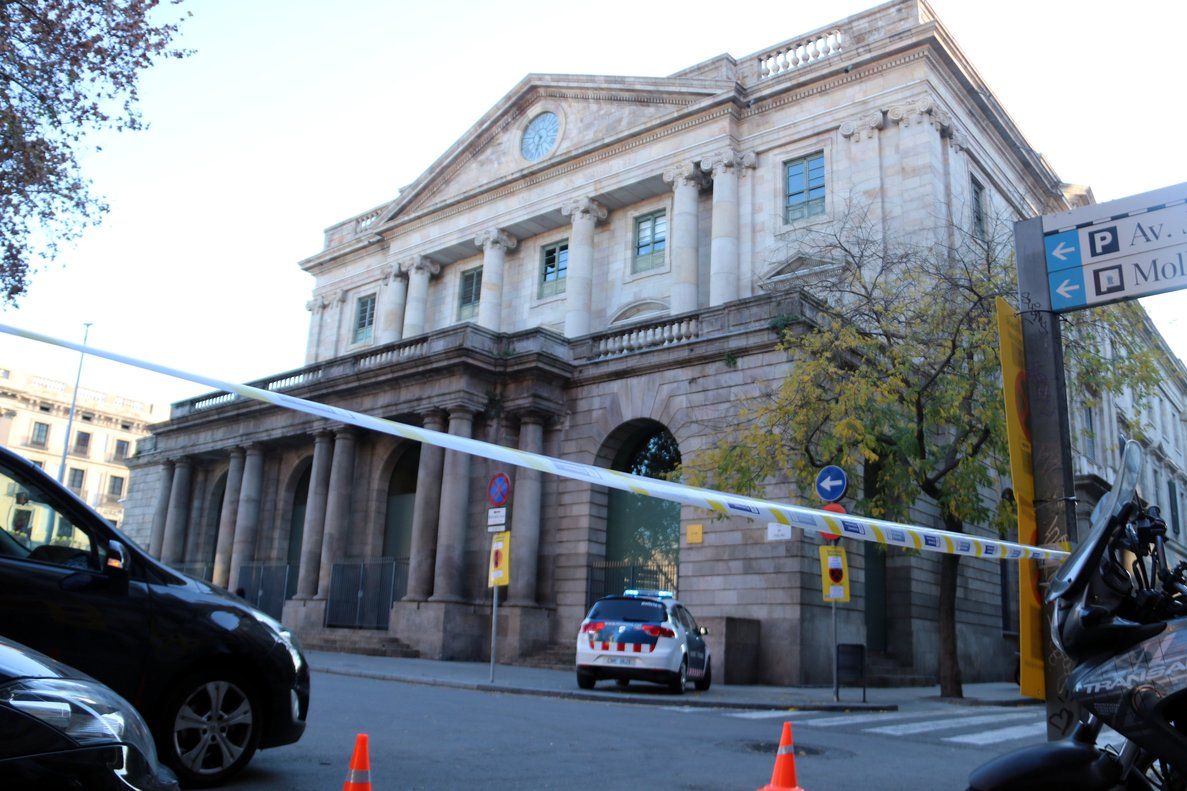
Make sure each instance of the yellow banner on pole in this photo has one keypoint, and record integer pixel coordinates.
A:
(1030, 601)
(834, 574)
(500, 560)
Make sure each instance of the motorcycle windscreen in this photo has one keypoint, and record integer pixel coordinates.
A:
(1076, 568)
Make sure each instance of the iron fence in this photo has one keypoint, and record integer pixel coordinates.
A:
(267, 585)
(362, 592)
(609, 577)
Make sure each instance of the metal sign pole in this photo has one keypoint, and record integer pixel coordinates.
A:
(1055, 509)
(494, 633)
(836, 682)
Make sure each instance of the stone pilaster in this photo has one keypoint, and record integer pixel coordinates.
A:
(419, 270)
(177, 516)
(338, 498)
(247, 515)
(686, 184)
(426, 511)
(157, 537)
(725, 166)
(195, 539)
(525, 515)
(315, 515)
(392, 302)
(225, 540)
(317, 310)
(585, 213)
(494, 243)
(455, 502)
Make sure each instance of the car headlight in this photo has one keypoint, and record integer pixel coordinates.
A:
(287, 638)
(86, 712)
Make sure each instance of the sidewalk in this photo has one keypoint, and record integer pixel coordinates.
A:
(511, 679)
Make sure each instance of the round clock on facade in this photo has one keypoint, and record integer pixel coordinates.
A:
(540, 136)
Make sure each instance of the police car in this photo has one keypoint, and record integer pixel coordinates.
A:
(642, 635)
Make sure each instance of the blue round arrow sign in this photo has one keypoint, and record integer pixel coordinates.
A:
(831, 483)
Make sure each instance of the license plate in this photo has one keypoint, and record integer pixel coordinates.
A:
(619, 660)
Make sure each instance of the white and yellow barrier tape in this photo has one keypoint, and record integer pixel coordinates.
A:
(808, 519)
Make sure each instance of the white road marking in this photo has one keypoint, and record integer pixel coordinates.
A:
(882, 716)
(770, 715)
(949, 723)
(1030, 731)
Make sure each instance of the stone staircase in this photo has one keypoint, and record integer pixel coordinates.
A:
(558, 656)
(358, 641)
(883, 670)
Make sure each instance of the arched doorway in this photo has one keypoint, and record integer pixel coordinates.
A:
(643, 533)
(297, 531)
(397, 526)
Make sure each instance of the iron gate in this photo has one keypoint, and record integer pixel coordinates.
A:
(202, 571)
(607, 577)
(362, 592)
(267, 585)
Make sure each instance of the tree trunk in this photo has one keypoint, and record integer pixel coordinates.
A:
(950, 683)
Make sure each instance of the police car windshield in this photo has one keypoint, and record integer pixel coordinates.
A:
(629, 610)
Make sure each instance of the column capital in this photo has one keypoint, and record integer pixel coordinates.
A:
(728, 159)
(683, 174)
(495, 237)
(317, 304)
(865, 126)
(345, 432)
(919, 111)
(437, 417)
(390, 272)
(323, 433)
(583, 208)
(420, 264)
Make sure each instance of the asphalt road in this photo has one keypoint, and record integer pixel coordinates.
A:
(436, 738)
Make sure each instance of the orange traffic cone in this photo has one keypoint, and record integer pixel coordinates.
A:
(783, 777)
(358, 776)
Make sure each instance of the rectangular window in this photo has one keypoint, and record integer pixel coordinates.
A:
(115, 487)
(978, 210)
(1173, 491)
(40, 438)
(121, 450)
(554, 267)
(804, 187)
(469, 294)
(82, 443)
(1089, 435)
(364, 319)
(75, 479)
(651, 239)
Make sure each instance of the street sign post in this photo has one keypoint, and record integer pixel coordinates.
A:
(1116, 251)
(499, 573)
(834, 581)
(831, 483)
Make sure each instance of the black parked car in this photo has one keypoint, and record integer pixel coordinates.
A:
(215, 678)
(63, 731)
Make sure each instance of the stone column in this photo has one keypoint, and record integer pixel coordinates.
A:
(315, 516)
(226, 519)
(157, 537)
(391, 308)
(494, 243)
(419, 270)
(585, 213)
(194, 538)
(426, 510)
(317, 311)
(337, 507)
(455, 502)
(525, 515)
(686, 183)
(247, 516)
(723, 251)
(179, 509)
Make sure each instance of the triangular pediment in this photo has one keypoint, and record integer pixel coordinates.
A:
(590, 112)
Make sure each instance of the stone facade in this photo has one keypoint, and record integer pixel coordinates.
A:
(574, 355)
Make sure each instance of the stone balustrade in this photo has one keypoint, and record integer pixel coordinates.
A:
(798, 53)
(348, 229)
(648, 336)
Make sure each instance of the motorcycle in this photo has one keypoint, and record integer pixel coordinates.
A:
(1120, 615)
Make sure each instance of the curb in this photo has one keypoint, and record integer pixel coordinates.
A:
(603, 697)
(1008, 702)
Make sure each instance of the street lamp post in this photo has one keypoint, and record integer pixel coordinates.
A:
(73, 404)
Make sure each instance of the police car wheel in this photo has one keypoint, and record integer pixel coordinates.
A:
(679, 679)
(702, 683)
(585, 680)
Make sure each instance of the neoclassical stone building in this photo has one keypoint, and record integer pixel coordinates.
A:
(593, 272)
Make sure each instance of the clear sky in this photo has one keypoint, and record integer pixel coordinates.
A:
(295, 114)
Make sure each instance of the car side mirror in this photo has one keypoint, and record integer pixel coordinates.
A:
(117, 560)
(702, 631)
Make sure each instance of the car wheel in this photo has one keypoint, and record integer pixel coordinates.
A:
(210, 729)
(623, 683)
(586, 680)
(679, 678)
(702, 684)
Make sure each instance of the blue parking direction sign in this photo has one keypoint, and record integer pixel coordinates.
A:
(1117, 251)
(831, 483)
